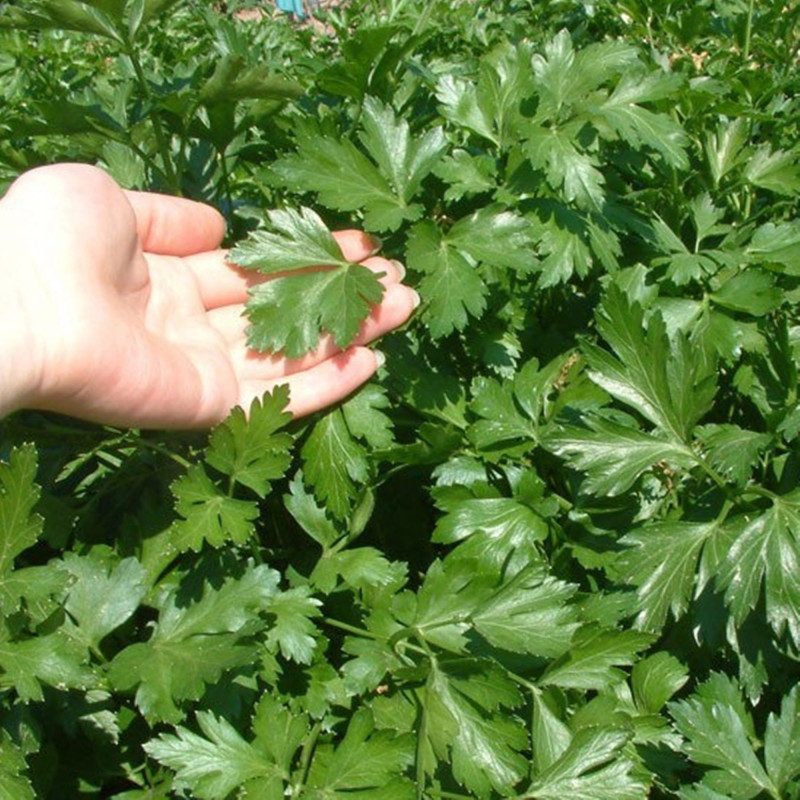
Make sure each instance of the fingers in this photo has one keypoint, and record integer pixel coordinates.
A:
(320, 386)
(174, 225)
(356, 245)
(222, 283)
(398, 303)
(87, 196)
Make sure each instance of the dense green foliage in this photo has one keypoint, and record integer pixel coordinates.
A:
(553, 551)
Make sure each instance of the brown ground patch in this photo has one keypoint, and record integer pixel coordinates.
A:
(313, 12)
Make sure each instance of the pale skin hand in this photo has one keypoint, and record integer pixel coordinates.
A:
(119, 307)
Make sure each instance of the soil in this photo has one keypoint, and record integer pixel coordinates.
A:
(269, 9)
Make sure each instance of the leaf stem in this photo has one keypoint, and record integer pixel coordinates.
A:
(419, 766)
(748, 203)
(415, 648)
(427, 651)
(335, 623)
(760, 491)
(98, 654)
(523, 682)
(422, 20)
(710, 472)
(159, 448)
(749, 29)
(155, 119)
(305, 757)
(727, 506)
(226, 181)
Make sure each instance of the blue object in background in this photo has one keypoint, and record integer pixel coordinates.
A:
(293, 6)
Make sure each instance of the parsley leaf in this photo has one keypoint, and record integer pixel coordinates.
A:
(345, 179)
(466, 174)
(403, 159)
(19, 526)
(782, 742)
(208, 514)
(765, 550)
(731, 450)
(489, 107)
(452, 286)
(102, 598)
(211, 766)
(717, 737)
(612, 455)
(334, 298)
(662, 563)
(365, 759)
(594, 657)
(591, 768)
(292, 629)
(528, 614)
(249, 449)
(333, 301)
(464, 723)
(663, 380)
(55, 659)
(297, 239)
(498, 517)
(195, 644)
(14, 784)
(566, 167)
(335, 464)
(641, 127)
(777, 171)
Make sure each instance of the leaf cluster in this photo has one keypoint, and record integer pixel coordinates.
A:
(552, 552)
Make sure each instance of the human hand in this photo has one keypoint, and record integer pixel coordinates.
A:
(119, 307)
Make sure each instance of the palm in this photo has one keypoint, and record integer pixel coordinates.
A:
(140, 315)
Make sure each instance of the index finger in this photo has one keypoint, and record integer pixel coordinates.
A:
(175, 226)
(222, 283)
(356, 245)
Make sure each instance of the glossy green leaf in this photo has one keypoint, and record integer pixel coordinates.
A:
(19, 525)
(717, 738)
(614, 456)
(467, 722)
(335, 464)
(594, 659)
(248, 448)
(592, 768)
(662, 564)
(208, 513)
(215, 763)
(101, 599)
(365, 759)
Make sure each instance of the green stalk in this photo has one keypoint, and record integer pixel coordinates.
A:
(343, 626)
(155, 119)
(749, 29)
(226, 179)
(305, 758)
(418, 756)
(156, 447)
(423, 18)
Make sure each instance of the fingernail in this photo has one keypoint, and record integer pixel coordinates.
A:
(380, 358)
(400, 267)
(376, 242)
(417, 299)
